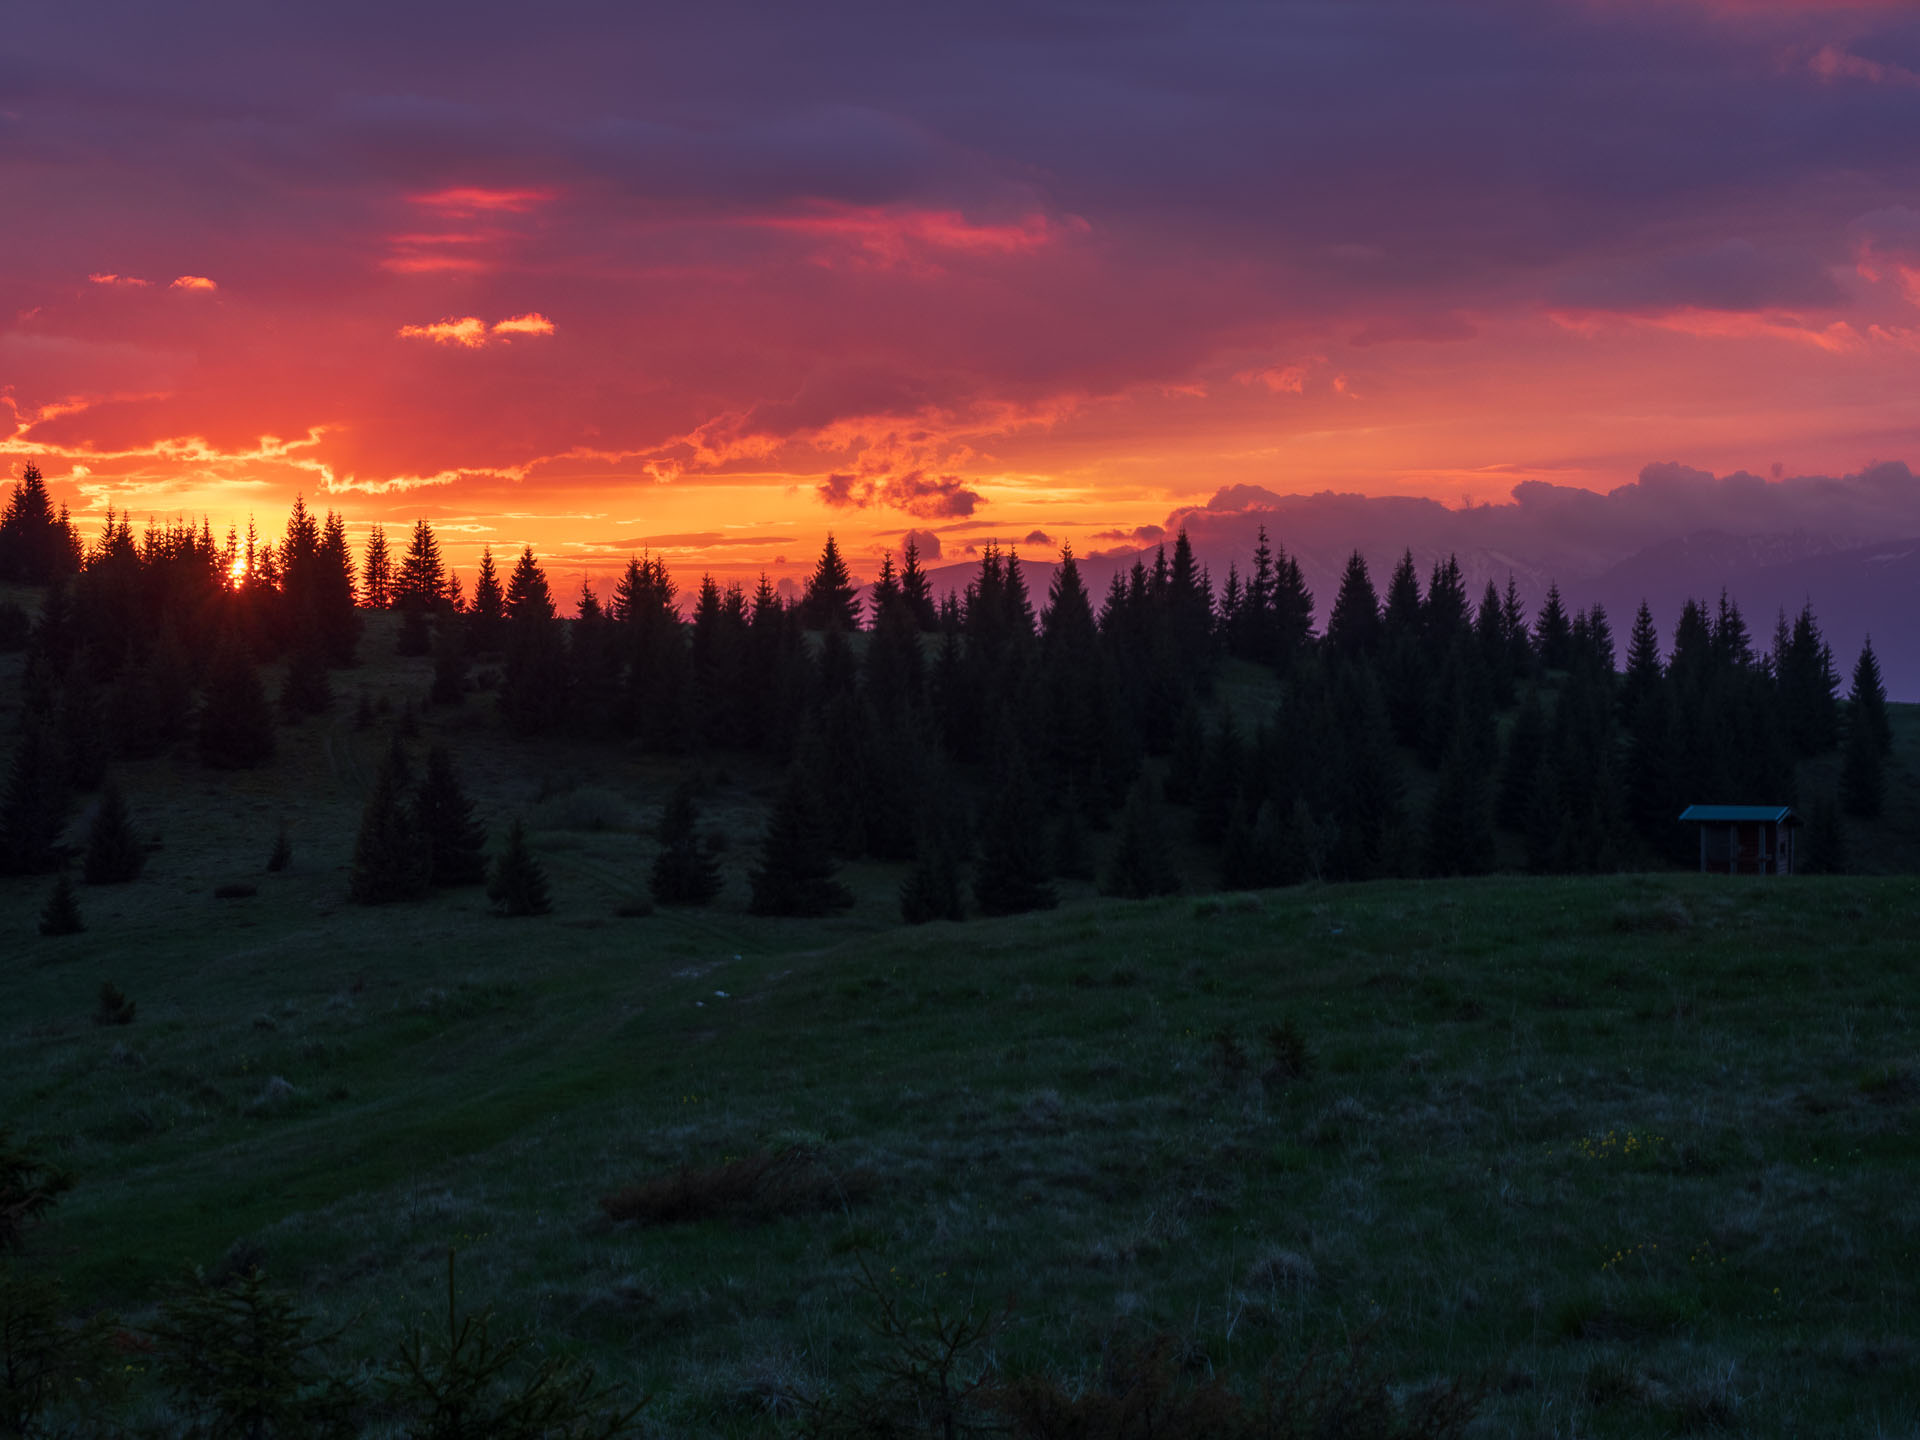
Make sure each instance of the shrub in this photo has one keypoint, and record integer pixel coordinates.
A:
(30, 1185)
(760, 1186)
(239, 1358)
(114, 855)
(471, 1386)
(1290, 1059)
(113, 1007)
(282, 854)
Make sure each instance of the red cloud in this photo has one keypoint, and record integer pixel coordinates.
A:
(476, 200)
(193, 282)
(942, 497)
(117, 280)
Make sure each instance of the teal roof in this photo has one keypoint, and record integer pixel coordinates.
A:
(1739, 814)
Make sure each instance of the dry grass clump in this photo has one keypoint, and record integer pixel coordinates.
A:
(758, 1187)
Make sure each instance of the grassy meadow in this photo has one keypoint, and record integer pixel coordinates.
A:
(1636, 1154)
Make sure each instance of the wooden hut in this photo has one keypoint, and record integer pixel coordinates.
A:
(1745, 839)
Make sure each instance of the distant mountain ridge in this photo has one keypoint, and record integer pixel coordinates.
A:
(1856, 590)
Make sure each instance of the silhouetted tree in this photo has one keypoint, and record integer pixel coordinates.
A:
(33, 810)
(421, 583)
(114, 853)
(1553, 632)
(1824, 851)
(533, 691)
(487, 617)
(795, 875)
(390, 856)
(1139, 866)
(1862, 770)
(37, 545)
(1867, 701)
(831, 601)
(916, 591)
(1459, 828)
(518, 884)
(449, 662)
(305, 689)
(685, 871)
(61, 914)
(1010, 875)
(235, 724)
(931, 890)
(376, 572)
(443, 818)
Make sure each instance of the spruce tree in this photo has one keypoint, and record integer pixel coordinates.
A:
(33, 810)
(1553, 633)
(61, 915)
(390, 858)
(518, 884)
(421, 583)
(305, 689)
(487, 616)
(1138, 867)
(831, 601)
(1459, 827)
(114, 853)
(931, 890)
(533, 690)
(376, 572)
(685, 871)
(1824, 850)
(795, 875)
(1010, 876)
(916, 591)
(1867, 701)
(236, 724)
(455, 843)
(449, 662)
(1862, 771)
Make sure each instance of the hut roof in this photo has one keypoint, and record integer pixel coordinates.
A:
(1740, 814)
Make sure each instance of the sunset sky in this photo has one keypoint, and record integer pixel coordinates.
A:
(713, 279)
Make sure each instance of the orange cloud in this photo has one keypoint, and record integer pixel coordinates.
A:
(470, 332)
(532, 323)
(476, 200)
(891, 235)
(111, 279)
(191, 282)
(1281, 379)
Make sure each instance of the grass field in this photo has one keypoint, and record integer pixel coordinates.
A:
(1638, 1153)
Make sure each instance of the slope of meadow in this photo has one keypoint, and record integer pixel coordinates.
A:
(1637, 1153)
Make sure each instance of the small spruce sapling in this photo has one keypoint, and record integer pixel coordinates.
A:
(456, 845)
(61, 915)
(282, 854)
(113, 1006)
(518, 885)
(685, 871)
(114, 854)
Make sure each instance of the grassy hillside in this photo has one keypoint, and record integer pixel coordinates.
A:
(1636, 1152)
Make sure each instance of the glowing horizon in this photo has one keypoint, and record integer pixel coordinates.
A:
(712, 287)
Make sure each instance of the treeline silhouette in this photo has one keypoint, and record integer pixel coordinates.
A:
(984, 736)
